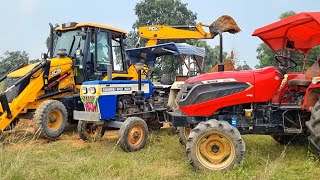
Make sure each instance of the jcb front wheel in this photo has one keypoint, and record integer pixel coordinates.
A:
(133, 134)
(215, 145)
(89, 131)
(52, 118)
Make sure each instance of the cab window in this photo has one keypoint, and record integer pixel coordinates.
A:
(102, 47)
(117, 54)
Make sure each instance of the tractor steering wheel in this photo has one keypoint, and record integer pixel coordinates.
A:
(280, 58)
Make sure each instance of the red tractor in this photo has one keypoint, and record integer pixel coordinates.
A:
(221, 106)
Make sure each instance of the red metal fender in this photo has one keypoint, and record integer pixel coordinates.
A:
(311, 96)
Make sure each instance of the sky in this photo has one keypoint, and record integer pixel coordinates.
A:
(25, 22)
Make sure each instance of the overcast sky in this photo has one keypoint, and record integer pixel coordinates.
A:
(24, 23)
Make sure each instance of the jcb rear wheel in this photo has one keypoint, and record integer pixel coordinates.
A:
(215, 145)
(133, 134)
(52, 118)
(89, 131)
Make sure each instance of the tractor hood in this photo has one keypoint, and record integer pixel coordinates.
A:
(24, 70)
(205, 94)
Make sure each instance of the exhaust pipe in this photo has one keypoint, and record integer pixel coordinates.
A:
(51, 41)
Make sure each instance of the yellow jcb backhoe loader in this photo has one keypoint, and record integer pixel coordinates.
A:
(48, 91)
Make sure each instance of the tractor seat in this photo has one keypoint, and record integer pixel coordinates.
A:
(311, 72)
(299, 82)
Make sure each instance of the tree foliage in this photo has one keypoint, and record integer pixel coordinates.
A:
(287, 14)
(12, 59)
(244, 67)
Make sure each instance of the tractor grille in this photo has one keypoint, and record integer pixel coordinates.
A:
(89, 104)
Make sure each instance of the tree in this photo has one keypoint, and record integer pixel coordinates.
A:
(244, 67)
(287, 14)
(165, 12)
(12, 59)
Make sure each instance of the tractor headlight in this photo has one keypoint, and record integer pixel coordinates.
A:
(84, 90)
(92, 90)
(315, 80)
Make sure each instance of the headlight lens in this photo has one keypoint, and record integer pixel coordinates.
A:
(315, 80)
(84, 90)
(92, 90)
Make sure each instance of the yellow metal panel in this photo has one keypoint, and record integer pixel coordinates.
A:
(94, 25)
(167, 32)
(60, 61)
(22, 71)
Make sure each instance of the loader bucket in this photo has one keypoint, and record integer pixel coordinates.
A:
(224, 23)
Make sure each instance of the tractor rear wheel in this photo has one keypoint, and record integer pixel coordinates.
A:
(314, 126)
(52, 118)
(215, 145)
(89, 131)
(133, 134)
(183, 133)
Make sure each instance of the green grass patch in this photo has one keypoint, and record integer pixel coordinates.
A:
(1, 86)
(162, 158)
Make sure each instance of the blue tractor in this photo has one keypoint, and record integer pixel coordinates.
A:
(133, 106)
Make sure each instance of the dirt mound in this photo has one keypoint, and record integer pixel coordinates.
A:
(228, 66)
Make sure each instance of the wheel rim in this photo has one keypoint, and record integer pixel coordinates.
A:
(136, 135)
(54, 119)
(215, 150)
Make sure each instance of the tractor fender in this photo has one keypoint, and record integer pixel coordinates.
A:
(311, 96)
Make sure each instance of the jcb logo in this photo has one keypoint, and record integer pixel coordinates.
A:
(153, 28)
(55, 72)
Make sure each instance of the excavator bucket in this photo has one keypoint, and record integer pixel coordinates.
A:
(224, 23)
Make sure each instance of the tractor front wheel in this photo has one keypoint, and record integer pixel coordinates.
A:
(133, 134)
(89, 131)
(215, 145)
(52, 118)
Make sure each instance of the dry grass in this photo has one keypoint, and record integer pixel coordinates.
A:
(163, 158)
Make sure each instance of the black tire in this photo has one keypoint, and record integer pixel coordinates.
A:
(89, 131)
(52, 117)
(289, 139)
(217, 140)
(314, 127)
(133, 134)
(183, 133)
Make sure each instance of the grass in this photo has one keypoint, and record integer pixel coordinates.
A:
(162, 158)
(1, 86)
